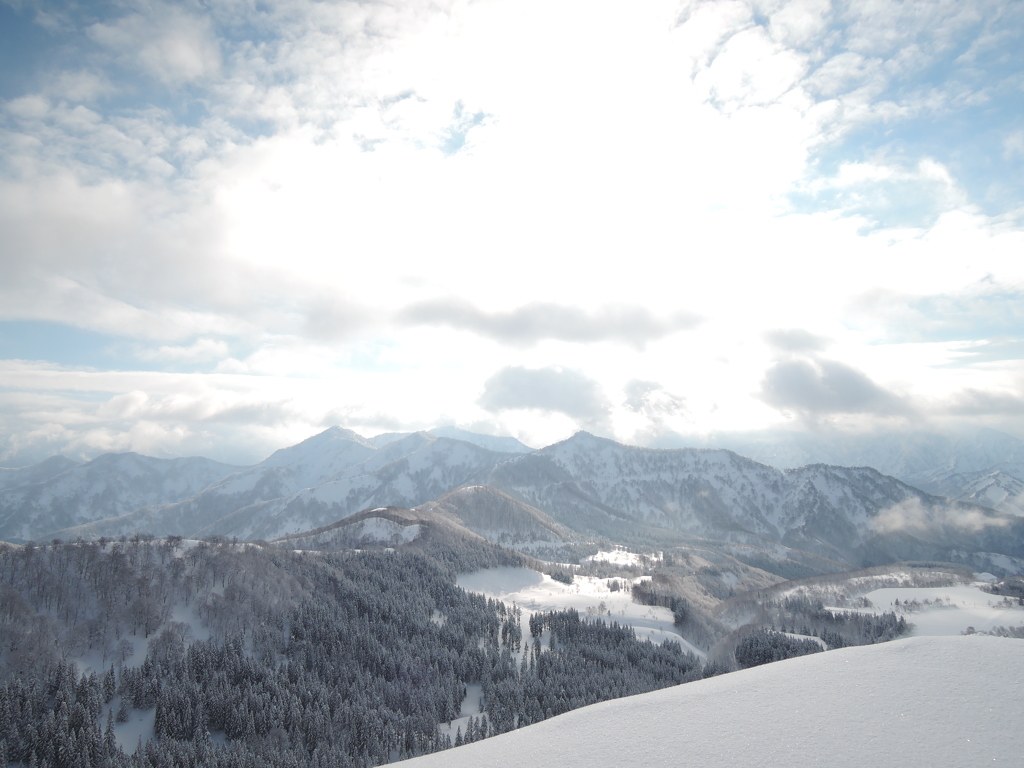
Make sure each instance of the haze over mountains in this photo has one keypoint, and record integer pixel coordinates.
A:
(585, 486)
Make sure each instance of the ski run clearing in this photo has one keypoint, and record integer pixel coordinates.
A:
(538, 593)
(920, 702)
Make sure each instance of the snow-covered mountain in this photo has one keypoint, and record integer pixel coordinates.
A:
(584, 485)
(490, 442)
(914, 703)
(942, 464)
(110, 485)
(35, 473)
(591, 483)
(1000, 487)
(501, 444)
(405, 473)
(329, 476)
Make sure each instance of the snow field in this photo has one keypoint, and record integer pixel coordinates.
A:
(619, 556)
(535, 592)
(949, 611)
(923, 702)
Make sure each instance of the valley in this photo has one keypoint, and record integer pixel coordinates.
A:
(356, 602)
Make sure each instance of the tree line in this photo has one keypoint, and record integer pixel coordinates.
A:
(252, 656)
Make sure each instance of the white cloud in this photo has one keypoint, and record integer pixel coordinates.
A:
(365, 180)
(914, 517)
(201, 350)
(170, 44)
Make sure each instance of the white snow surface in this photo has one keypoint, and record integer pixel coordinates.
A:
(924, 702)
(948, 610)
(621, 556)
(537, 593)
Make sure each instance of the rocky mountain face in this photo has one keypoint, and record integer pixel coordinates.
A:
(960, 467)
(582, 487)
(851, 514)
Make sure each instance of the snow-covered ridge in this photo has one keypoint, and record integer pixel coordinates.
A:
(915, 703)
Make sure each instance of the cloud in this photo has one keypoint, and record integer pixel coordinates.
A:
(886, 193)
(548, 389)
(200, 351)
(171, 45)
(796, 340)
(80, 86)
(336, 319)
(822, 387)
(535, 322)
(985, 311)
(912, 516)
(973, 402)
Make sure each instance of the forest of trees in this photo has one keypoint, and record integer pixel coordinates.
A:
(257, 656)
(836, 628)
(764, 646)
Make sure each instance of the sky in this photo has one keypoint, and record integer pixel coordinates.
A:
(227, 225)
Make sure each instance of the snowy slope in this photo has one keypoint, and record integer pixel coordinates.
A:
(500, 518)
(915, 703)
(109, 485)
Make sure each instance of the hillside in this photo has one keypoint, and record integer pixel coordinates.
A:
(923, 702)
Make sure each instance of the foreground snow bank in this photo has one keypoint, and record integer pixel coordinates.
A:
(923, 701)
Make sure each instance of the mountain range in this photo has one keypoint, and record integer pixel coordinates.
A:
(582, 488)
(983, 466)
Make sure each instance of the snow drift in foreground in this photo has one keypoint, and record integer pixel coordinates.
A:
(923, 701)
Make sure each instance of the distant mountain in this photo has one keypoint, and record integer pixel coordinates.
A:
(35, 473)
(329, 476)
(386, 438)
(109, 485)
(405, 473)
(854, 514)
(581, 487)
(942, 464)
(1000, 487)
(490, 442)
